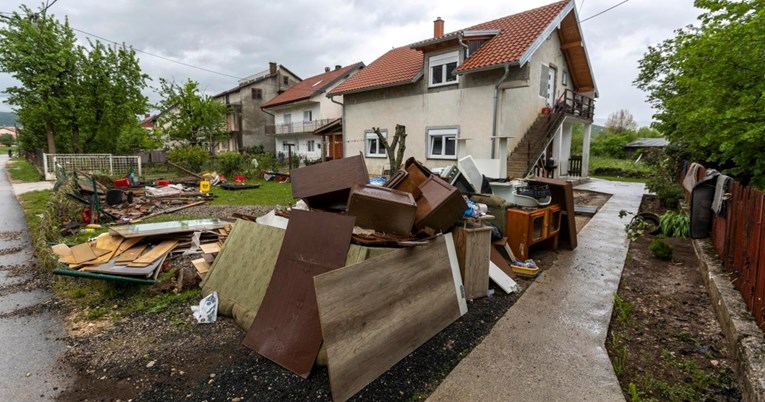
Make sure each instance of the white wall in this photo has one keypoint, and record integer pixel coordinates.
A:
(301, 145)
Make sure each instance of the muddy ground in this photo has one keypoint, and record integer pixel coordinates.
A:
(167, 356)
(664, 341)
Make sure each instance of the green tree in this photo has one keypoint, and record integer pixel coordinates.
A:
(71, 97)
(190, 116)
(38, 51)
(7, 139)
(706, 85)
(134, 138)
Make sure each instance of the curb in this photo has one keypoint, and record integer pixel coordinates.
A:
(744, 338)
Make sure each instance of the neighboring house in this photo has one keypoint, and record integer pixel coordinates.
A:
(304, 109)
(149, 121)
(246, 121)
(479, 91)
(8, 130)
(645, 144)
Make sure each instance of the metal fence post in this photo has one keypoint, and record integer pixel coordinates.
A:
(111, 165)
(139, 167)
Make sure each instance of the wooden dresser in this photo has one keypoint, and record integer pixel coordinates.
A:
(525, 228)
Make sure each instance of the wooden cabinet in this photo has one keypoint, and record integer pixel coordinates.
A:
(525, 228)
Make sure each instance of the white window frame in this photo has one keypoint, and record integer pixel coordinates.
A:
(309, 114)
(444, 134)
(443, 60)
(370, 136)
(310, 145)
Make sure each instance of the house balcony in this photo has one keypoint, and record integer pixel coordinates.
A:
(576, 105)
(296, 127)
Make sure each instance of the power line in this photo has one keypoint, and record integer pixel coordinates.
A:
(604, 11)
(156, 55)
(142, 51)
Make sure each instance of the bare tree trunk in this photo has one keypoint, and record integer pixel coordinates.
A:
(76, 139)
(51, 139)
(395, 150)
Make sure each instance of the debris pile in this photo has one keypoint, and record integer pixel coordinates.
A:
(135, 253)
(358, 274)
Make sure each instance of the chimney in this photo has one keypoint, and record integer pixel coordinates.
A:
(337, 66)
(438, 28)
(326, 69)
(272, 67)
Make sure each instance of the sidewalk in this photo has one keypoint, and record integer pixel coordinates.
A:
(550, 346)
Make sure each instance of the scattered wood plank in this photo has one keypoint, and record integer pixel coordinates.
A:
(154, 254)
(61, 250)
(201, 265)
(473, 248)
(286, 329)
(210, 248)
(131, 254)
(183, 169)
(170, 210)
(375, 313)
(82, 253)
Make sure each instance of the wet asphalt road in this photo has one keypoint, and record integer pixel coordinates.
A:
(30, 344)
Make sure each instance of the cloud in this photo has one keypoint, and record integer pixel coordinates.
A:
(240, 37)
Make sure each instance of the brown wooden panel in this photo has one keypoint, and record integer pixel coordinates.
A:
(473, 247)
(562, 192)
(328, 184)
(154, 254)
(286, 329)
(758, 258)
(439, 206)
(382, 209)
(375, 313)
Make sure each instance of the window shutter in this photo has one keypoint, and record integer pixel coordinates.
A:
(543, 81)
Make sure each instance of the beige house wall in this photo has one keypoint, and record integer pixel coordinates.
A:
(467, 105)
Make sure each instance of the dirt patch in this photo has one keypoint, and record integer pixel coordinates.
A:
(664, 341)
(589, 198)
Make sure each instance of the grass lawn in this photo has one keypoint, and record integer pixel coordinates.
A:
(23, 170)
(619, 169)
(269, 193)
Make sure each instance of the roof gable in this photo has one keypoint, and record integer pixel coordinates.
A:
(312, 86)
(519, 36)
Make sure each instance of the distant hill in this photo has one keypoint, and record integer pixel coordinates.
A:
(7, 119)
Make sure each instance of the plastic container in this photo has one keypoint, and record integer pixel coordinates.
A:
(124, 182)
(163, 183)
(204, 186)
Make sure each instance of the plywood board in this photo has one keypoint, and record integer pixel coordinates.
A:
(165, 228)
(131, 254)
(242, 270)
(201, 265)
(61, 250)
(82, 253)
(154, 254)
(210, 248)
(286, 329)
(375, 313)
(328, 184)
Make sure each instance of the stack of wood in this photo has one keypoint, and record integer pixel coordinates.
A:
(139, 250)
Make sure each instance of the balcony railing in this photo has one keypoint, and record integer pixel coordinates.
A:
(296, 127)
(576, 104)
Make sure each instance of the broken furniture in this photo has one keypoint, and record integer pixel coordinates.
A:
(562, 193)
(439, 206)
(382, 209)
(526, 228)
(473, 246)
(409, 178)
(327, 185)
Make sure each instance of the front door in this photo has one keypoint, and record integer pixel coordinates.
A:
(551, 73)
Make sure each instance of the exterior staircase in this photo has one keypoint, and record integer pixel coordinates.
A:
(525, 155)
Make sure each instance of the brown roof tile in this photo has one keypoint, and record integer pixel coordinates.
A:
(398, 66)
(517, 33)
(311, 86)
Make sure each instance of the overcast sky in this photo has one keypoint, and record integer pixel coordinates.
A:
(237, 38)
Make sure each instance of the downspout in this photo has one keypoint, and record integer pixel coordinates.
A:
(342, 107)
(496, 110)
(460, 35)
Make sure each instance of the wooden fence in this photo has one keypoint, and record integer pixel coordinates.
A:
(738, 237)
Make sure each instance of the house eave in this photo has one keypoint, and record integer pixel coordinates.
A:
(539, 41)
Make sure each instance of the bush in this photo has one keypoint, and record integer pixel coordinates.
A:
(230, 163)
(7, 139)
(193, 157)
(266, 162)
(612, 144)
(675, 224)
(660, 249)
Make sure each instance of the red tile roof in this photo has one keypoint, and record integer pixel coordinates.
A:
(517, 34)
(398, 66)
(312, 86)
